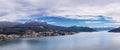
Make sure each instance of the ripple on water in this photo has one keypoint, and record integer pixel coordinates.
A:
(80, 41)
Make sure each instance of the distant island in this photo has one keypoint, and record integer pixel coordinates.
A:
(115, 30)
(11, 30)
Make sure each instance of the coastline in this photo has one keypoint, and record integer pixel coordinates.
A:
(29, 34)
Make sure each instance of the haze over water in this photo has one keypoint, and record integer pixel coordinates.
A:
(81, 41)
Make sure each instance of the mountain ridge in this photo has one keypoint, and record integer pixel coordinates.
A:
(115, 30)
(43, 26)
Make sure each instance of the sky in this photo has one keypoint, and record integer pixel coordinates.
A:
(92, 13)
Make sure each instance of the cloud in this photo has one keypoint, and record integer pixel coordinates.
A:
(12, 10)
(110, 10)
(51, 22)
(91, 22)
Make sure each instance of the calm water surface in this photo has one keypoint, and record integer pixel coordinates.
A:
(82, 41)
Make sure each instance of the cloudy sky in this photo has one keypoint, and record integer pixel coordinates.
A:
(93, 13)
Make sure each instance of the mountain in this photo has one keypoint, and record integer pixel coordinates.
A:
(79, 29)
(8, 24)
(103, 28)
(36, 26)
(115, 30)
(44, 24)
(20, 28)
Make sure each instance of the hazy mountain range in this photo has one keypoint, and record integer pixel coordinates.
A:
(15, 27)
(115, 30)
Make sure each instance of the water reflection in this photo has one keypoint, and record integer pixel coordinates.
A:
(81, 41)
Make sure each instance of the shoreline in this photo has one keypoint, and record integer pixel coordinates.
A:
(31, 34)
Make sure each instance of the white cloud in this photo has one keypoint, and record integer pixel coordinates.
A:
(110, 10)
(51, 22)
(12, 10)
(91, 22)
